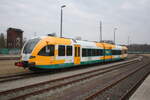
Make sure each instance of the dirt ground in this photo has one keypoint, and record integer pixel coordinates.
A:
(8, 67)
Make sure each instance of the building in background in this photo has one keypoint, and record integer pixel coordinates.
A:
(139, 48)
(14, 38)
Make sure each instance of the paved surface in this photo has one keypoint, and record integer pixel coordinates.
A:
(143, 92)
(9, 57)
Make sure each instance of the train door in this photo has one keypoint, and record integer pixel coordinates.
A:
(76, 54)
(111, 53)
(107, 54)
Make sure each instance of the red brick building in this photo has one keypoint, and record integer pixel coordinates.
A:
(14, 38)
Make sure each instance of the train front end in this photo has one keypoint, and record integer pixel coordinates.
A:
(26, 53)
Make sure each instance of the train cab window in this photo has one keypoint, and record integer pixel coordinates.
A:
(47, 51)
(61, 50)
(29, 46)
(69, 50)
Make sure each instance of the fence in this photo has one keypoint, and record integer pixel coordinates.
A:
(10, 51)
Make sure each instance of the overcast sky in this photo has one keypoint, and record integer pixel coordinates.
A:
(81, 18)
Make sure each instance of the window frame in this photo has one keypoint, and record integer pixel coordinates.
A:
(44, 51)
(69, 50)
(61, 52)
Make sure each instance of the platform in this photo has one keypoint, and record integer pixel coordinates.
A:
(143, 92)
(9, 57)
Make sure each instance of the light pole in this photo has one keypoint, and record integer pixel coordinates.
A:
(115, 35)
(61, 19)
(100, 31)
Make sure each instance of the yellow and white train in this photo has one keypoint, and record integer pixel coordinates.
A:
(53, 52)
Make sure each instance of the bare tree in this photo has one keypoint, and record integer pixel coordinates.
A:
(2, 41)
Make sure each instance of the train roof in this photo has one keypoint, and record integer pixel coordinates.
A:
(57, 40)
(69, 41)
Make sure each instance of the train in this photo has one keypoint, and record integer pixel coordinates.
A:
(49, 52)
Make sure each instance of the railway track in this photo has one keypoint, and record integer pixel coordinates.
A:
(17, 76)
(14, 77)
(125, 95)
(52, 85)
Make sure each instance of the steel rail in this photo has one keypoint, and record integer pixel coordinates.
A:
(60, 85)
(17, 76)
(134, 87)
(28, 74)
(92, 96)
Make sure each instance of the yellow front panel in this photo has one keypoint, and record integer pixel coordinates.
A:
(48, 41)
(47, 60)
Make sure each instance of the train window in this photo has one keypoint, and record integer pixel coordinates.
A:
(89, 52)
(78, 51)
(69, 50)
(29, 46)
(113, 52)
(43, 52)
(122, 52)
(83, 52)
(92, 52)
(126, 51)
(116, 52)
(47, 51)
(61, 50)
(100, 52)
(119, 52)
(86, 52)
(51, 50)
(95, 52)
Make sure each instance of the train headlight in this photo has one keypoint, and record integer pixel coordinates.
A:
(31, 57)
(20, 64)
